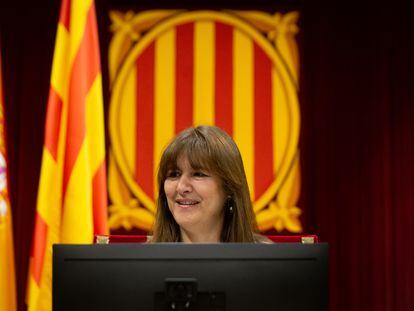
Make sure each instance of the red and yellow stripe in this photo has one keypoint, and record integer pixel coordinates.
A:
(199, 72)
(222, 77)
(7, 271)
(72, 199)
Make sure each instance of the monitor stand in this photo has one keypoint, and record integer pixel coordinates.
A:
(181, 295)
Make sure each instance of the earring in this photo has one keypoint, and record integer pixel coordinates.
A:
(230, 204)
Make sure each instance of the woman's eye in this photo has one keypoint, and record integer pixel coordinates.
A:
(200, 174)
(173, 174)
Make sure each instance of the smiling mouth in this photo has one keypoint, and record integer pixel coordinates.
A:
(186, 203)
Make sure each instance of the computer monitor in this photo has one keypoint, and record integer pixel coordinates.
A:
(198, 277)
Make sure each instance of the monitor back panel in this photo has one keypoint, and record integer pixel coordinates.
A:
(251, 276)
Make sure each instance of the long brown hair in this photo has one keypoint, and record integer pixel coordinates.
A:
(209, 148)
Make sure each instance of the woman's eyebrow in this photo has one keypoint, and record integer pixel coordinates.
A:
(172, 168)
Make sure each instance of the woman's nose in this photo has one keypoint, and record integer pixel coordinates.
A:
(184, 184)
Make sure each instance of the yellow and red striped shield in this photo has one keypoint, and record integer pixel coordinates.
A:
(175, 69)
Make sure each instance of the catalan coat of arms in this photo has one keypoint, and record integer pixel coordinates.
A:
(171, 69)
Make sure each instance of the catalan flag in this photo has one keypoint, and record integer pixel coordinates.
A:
(72, 196)
(7, 276)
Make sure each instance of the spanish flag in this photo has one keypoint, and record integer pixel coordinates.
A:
(72, 196)
(7, 276)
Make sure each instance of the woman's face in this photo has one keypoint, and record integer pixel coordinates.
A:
(196, 200)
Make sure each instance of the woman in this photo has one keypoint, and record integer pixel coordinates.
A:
(203, 191)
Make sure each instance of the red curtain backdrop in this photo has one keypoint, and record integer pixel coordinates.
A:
(358, 150)
(357, 138)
